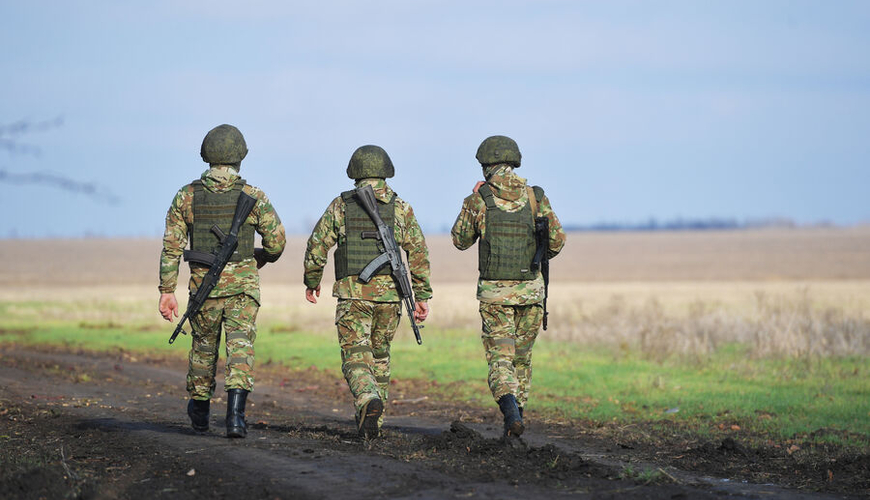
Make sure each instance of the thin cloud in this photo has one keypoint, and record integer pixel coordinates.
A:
(90, 189)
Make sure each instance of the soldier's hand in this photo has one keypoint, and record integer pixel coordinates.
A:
(421, 311)
(168, 306)
(260, 257)
(477, 186)
(311, 294)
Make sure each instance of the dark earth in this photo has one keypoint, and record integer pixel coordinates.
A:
(79, 424)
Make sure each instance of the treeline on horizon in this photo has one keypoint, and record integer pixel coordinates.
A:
(652, 224)
(681, 224)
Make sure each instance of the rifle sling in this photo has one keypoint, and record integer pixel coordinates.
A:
(532, 200)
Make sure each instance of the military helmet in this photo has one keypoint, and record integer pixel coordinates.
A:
(223, 145)
(499, 149)
(370, 161)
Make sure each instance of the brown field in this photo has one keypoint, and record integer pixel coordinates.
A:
(788, 291)
(814, 254)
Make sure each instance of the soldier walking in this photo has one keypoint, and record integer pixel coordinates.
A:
(501, 213)
(367, 314)
(234, 302)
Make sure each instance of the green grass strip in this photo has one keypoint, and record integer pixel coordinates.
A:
(779, 399)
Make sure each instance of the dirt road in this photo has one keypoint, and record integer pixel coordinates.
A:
(112, 425)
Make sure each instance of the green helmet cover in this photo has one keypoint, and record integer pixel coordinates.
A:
(499, 149)
(370, 161)
(223, 145)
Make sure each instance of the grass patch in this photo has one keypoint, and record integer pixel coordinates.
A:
(644, 475)
(823, 400)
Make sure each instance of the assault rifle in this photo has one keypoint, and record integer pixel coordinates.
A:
(542, 259)
(217, 261)
(366, 197)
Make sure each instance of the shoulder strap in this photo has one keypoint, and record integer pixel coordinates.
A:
(486, 193)
(532, 201)
(238, 186)
(536, 193)
(198, 193)
(348, 196)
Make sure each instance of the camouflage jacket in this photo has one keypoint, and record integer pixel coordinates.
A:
(237, 277)
(511, 194)
(329, 231)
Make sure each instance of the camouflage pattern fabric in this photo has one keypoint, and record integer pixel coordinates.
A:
(499, 149)
(237, 277)
(367, 314)
(365, 331)
(330, 230)
(235, 300)
(238, 315)
(509, 332)
(370, 161)
(223, 144)
(511, 194)
(511, 311)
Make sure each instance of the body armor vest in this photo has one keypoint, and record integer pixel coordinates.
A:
(355, 252)
(218, 208)
(507, 249)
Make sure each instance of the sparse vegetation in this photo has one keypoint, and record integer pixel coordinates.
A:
(645, 475)
(784, 360)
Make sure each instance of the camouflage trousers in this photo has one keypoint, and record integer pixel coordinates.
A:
(509, 332)
(237, 314)
(365, 331)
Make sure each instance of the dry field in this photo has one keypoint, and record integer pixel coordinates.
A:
(797, 292)
(111, 424)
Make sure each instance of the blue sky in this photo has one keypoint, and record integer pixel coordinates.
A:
(623, 110)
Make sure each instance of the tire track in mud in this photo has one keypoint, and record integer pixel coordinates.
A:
(124, 423)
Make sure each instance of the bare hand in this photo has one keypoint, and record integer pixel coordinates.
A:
(260, 257)
(311, 294)
(477, 186)
(421, 311)
(168, 306)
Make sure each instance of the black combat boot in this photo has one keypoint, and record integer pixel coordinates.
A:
(197, 410)
(236, 427)
(513, 421)
(368, 420)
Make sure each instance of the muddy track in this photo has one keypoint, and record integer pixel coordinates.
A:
(83, 425)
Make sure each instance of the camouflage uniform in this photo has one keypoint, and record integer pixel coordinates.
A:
(511, 310)
(368, 314)
(235, 300)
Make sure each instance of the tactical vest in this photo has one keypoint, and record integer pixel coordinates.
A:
(218, 208)
(355, 252)
(507, 249)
